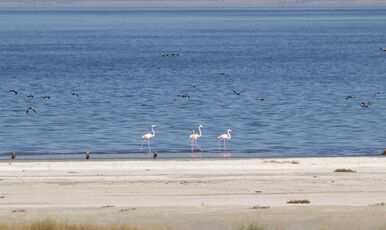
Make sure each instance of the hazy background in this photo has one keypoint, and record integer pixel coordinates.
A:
(178, 3)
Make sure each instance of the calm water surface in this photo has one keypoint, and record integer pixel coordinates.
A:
(304, 62)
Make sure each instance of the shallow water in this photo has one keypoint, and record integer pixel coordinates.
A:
(304, 62)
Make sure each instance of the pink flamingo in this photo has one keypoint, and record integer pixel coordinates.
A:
(147, 137)
(194, 137)
(224, 137)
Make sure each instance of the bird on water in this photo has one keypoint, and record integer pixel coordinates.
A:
(224, 138)
(147, 137)
(194, 137)
(87, 156)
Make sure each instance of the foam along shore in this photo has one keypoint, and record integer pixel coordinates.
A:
(199, 193)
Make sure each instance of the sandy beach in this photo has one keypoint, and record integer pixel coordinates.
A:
(199, 193)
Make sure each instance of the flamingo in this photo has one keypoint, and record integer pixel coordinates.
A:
(194, 137)
(224, 137)
(146, 138)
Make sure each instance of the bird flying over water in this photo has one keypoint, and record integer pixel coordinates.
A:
(31, 109)
(365, 105)
(45, 97)
(236, 92)
(30, 95)
(74, 94)
(13, 91)
(349, 97)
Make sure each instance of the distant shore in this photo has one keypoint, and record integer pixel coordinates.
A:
(199, 193)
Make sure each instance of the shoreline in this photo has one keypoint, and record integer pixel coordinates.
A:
(174, 158)
(195, 194)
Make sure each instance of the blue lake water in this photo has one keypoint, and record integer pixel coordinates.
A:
(303, 62)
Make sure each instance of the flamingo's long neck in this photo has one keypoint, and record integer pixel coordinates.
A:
(152, 129)
(199, 129)
(229, 134)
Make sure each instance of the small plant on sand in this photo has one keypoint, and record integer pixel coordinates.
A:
(259, 207)
(298, 202)
(344, 170)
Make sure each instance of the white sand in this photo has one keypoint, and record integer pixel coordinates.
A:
(199, 194)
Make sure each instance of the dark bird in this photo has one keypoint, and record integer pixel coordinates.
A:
(365, 105)
(13, 156)
(13, 91)
(74, 94)
(221, 73)
(349, 97)
(383, 49)
(236, 92)
(87, 156)
(30, 95)
(45, 97)
(31, 109)
(184, 96)
(261, 99)
(155, 155)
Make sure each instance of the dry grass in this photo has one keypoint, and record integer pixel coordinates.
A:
(344, 170)
(49, 224)
(298, 202)
(54, 225)
(252, 227)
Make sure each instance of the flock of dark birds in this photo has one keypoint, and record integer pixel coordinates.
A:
(170, 55)
(364, 105)
(45, 97)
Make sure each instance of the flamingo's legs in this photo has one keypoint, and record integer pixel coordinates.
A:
(219, 148)
(192, 144)
(198, 146)
(148, 145)
(225, 146)
(143, 142)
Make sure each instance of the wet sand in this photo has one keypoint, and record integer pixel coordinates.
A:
(199, 193)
